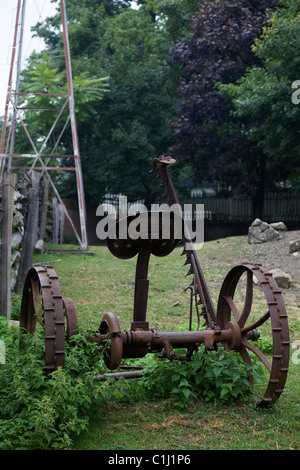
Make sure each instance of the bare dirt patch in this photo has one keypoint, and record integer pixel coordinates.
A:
(276, 254)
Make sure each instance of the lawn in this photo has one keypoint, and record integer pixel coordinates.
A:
(98, 282)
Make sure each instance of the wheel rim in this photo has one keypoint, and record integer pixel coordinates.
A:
(110, 327)
(247, 315)
(72, 325)
(42, 302)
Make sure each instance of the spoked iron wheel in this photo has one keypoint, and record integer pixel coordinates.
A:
(247, 314)
(42, 303)
(113, 351)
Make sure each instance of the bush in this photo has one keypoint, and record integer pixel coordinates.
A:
(40, 412)
(217, 376)
(44, 412)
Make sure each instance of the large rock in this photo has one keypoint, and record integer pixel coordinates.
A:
(39, 247)
(16, 239)
(283, 279)
(261, 232)
(279, 226)
(294, 246)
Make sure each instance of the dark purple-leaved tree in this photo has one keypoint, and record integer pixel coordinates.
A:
(218, 50)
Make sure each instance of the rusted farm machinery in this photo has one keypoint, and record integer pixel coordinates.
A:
(232, 324)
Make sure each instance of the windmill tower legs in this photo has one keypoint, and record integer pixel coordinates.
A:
(13, 117)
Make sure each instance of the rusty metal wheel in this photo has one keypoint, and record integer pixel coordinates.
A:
(243, 313)
(42, 303)
(113, 352)
(72, 325)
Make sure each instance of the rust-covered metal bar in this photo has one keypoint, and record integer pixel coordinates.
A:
(7, 152)
(231, 325)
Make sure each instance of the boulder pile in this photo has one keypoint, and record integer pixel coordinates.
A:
(262, 232)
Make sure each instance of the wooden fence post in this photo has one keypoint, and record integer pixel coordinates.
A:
(44, 208)
(8, 190)
(61, 223)
(55, 216)
(28, 240)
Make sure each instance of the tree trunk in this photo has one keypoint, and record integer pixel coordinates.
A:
(259, 195)
(9, 182)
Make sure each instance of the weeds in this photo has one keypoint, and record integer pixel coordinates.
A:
(45, 412)
(40, 412)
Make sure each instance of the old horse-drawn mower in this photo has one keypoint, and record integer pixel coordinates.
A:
(233, 324)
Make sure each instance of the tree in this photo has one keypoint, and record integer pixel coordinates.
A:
(206, 134)
(124, 130)
(265, 98)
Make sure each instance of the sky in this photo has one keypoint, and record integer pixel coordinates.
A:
(35, 11)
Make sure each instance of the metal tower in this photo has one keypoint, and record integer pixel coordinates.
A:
(13, 118)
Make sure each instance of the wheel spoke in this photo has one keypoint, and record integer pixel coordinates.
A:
(249, 322)
(233, 307)
(258, 353)
(256, 324)
(248, 300)
(247, 359)
(35, 290)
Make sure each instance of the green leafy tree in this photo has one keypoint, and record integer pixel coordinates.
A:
(206, 134)
(120, 133)
(263, 97)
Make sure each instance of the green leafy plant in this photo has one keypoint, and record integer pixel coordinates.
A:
(219, 376)
(39, 411)
(46, 412)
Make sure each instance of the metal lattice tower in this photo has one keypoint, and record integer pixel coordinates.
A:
(13, 118)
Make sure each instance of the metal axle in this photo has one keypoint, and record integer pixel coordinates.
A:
(138, 343)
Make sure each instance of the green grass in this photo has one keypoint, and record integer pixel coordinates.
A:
(155, 426)
(103, 283)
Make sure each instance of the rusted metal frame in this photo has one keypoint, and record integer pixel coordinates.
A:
(50, 132)
(69, 96)
(4, 154)
(42, 168)
(31, 155)
(80, 190)
(130, 375)
(39, 154)
(40, 94)
(26, 132)
(19, 59)
(156, 341)
(8, 138)
(191, 307)
(22, 108)
(198, 290)
(41, 284)
(51, 182)
(280, 333)
(72, 320)
(276, 312)
(111, 329)
(57, 142)
(61, 202)
(63, 206)
(209, 310)
(9, 85)
(141, 291)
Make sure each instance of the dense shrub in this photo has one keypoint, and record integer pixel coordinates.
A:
(40, 412)
(44, 412)
(217, 376)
